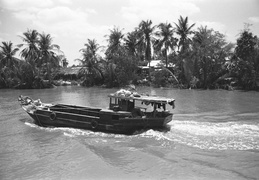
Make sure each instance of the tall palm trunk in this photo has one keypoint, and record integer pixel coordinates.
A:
(148, 55)
(166, 59)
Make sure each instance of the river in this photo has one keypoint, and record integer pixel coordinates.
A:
(214, 135)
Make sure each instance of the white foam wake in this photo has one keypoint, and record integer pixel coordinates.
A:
(206, 135)
(216, 129)
(73, 132)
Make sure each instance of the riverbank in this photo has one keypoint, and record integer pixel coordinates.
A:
(47, 85)
(157, 79)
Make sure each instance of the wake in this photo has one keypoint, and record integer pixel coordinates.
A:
(202, 135)
(221, 136)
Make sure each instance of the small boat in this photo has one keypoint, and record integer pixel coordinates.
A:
(127, 113)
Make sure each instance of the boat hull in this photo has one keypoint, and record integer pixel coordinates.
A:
(99, 120)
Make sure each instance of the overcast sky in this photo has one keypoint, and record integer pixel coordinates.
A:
(72, 22)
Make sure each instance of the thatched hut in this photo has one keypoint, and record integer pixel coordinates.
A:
(68, 73)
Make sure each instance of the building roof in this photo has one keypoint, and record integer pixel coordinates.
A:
(155, 63)
(159, 63)
(70, 70)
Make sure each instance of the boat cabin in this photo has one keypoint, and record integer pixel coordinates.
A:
(132, 104)
(121, 104)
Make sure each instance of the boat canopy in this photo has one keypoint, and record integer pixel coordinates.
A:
(144, 98)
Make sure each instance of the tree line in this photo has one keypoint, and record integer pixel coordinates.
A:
(200, 58)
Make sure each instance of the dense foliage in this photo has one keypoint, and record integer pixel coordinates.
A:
(191, 58)
(244, 65)
(40, 60)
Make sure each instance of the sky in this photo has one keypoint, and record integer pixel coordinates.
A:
(71, 22)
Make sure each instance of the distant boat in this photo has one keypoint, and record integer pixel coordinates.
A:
(123, 115)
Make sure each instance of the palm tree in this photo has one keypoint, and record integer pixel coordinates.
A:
(47, 53)
(183, 30)
(31, 52)
(2, 80)
(147, 31)
(114, 43)
(166, 40)
(7, 56)
(210, 52)
(91, 69)
(131, 42)
(201, 45)
(8, 63)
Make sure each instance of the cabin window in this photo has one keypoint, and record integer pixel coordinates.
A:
(113, 103)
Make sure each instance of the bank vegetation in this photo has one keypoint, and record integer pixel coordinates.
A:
(191, 57)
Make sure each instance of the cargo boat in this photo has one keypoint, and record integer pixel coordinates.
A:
(123, 115)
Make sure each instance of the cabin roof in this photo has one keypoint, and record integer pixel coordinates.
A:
(144, 98)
